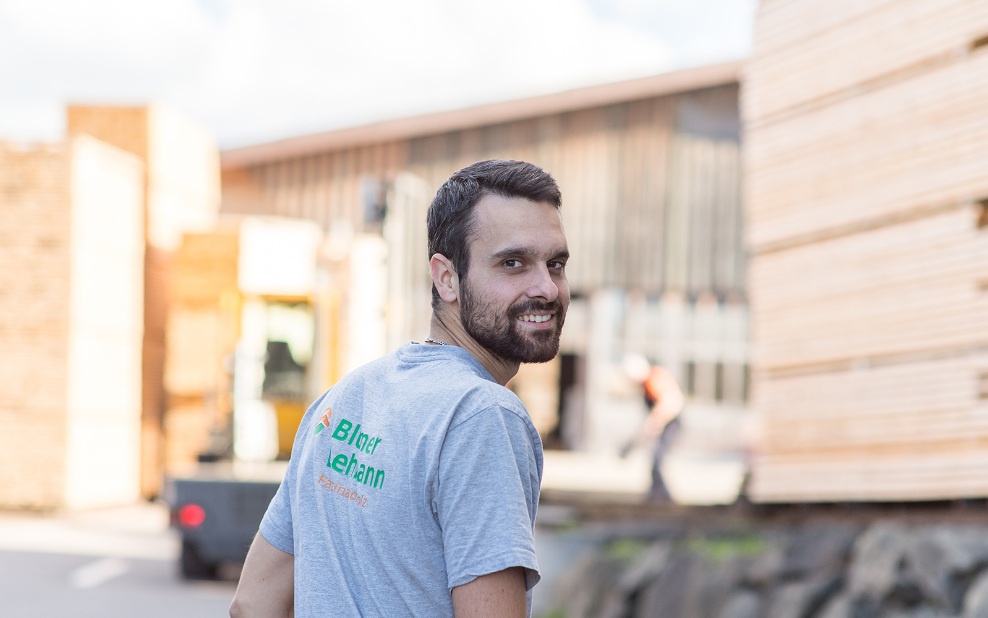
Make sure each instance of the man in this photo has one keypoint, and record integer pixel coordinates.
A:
(414, 481)
(664, 400)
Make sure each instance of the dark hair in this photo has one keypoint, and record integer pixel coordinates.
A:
(451, 218)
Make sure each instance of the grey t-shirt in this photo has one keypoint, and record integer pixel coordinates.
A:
(414, 474)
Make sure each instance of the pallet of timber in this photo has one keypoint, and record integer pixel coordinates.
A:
(187, 430)
(944, 243)
(911, 287)
(906, 402)
(937, 328)
(783, 24)
(887, 41)
(917, 144)
(204, 266)
(866, 173)
(198, 339)
(951, 470)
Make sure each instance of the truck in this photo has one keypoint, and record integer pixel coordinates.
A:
(216, 511)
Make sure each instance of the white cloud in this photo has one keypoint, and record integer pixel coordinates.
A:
(114, 51)
(100, 37)
(315, 67)
(255, 69)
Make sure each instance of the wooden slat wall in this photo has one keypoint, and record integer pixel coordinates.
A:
(866, 160)
(651, 193)
(409, 280)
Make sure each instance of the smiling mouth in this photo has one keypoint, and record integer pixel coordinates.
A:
(537, 319)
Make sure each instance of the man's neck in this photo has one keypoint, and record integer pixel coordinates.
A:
(450, 331)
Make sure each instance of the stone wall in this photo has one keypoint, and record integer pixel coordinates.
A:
(836, 569)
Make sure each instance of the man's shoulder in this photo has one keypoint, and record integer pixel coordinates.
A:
(486, 397)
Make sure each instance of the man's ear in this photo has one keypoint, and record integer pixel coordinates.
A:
(444, 277)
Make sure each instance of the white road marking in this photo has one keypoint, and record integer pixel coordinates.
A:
(99, 572)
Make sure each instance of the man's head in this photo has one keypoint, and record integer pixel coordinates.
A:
(451, 215)
(496, 224)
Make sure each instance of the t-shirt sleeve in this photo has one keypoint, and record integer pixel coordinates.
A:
(276, 525)
(487, 496)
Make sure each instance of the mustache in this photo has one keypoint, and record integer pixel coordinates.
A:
(531, 306)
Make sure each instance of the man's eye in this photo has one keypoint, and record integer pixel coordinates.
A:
(557, 265)
(512, 263)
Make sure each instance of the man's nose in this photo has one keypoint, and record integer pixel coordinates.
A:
(543, 285)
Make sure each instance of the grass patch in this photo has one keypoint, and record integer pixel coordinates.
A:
(625, 550)
(718, 550)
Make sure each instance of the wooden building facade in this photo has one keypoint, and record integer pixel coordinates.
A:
(650, 175)
(866, 149)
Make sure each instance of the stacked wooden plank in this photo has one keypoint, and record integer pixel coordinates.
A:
(71, 245)
(866, 158)
(181, 193)
(203, 326)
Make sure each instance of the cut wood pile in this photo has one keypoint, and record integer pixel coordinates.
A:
(866, 160)
(202, 334)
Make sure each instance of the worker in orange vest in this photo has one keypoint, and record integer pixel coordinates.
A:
(664, 400)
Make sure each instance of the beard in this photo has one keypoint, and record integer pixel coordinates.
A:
(501, 333)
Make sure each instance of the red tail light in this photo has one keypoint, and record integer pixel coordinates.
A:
(191, 515)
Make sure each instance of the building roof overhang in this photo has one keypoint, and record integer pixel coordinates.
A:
(484, 115)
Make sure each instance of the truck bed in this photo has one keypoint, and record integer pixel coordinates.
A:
(216, 508)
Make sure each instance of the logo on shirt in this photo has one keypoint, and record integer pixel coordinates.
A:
(324, 421)
(358, 447)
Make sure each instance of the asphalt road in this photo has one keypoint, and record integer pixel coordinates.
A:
(111, 563)
(121, 562)
(41, 584)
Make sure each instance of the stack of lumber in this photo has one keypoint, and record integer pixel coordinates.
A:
(866, 160)
(202, 333)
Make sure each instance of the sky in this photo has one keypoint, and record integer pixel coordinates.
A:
(252, 71)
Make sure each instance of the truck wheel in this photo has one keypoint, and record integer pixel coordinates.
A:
(192, 564)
